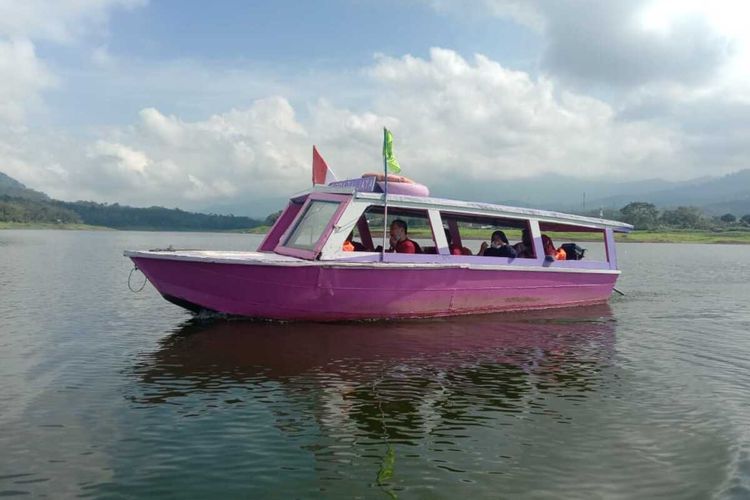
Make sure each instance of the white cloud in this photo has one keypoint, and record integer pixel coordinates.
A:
(165, 160)
(454, 120)
(126, 159)
(42, 158)
(628, 43)
(60, 21)
(22, 77)
(465, 121)
(168, 130)
(493, 123)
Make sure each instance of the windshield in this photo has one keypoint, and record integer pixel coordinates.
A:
(311, 225)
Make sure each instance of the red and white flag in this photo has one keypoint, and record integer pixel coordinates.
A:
(321, 174)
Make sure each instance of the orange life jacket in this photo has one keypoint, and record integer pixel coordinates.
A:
(549, 249)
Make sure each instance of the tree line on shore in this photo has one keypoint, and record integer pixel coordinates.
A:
(24, 210)
(647, 217)
(16, 209)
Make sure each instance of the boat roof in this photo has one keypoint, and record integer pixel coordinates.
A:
(475, 207)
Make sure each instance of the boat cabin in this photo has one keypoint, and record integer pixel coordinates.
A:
(317, 223)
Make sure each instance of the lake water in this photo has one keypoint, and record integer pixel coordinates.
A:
(109, 393)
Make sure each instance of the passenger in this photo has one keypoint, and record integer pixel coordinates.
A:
(400, 242)
(455, 249)
(353, 246)
(551, 251)
(498, 247)
(524, 248)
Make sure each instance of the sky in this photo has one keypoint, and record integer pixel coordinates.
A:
(203, 104)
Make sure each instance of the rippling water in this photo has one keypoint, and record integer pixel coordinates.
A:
(106, 393)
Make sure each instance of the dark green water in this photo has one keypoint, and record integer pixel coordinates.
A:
(106, 393)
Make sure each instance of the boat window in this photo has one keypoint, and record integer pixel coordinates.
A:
(468, 232)
(418, 223)
(311, 225)
(579, 243)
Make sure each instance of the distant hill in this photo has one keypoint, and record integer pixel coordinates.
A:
(550, 191)
(154, 218)
(15, 209)
(255, 207)
(20, 204)
(11, 187)
(739, 207)
(716, 195)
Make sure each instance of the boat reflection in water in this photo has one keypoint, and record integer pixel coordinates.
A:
(481, 361)
(351, 393)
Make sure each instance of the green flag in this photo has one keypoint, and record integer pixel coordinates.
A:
(390, 160)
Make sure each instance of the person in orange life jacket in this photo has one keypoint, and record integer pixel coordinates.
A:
(400, 242)
(498, 247)
(455, 249)
(352, 246)
(550, 251)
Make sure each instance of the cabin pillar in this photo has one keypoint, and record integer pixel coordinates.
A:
(438, 234)
(609, 245)
(536, 236)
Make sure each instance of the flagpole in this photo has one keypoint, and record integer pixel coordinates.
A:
(385, 197)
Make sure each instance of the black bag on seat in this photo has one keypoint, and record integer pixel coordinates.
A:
(573, 251)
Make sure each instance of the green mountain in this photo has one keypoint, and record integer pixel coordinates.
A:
(17, 209)
(11, 187)
(20, 204)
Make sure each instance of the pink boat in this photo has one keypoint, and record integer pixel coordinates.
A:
(301, 270)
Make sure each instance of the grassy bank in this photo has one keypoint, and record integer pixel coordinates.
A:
(256, 230)
(720, 237)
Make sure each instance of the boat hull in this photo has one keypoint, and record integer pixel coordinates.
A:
(329, 292)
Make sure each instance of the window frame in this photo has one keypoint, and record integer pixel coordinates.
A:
(282, 249)
(561, 227)
(396, 211)
(452, 219)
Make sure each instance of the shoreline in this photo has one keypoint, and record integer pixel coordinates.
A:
(53, 225)
(88, 227)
